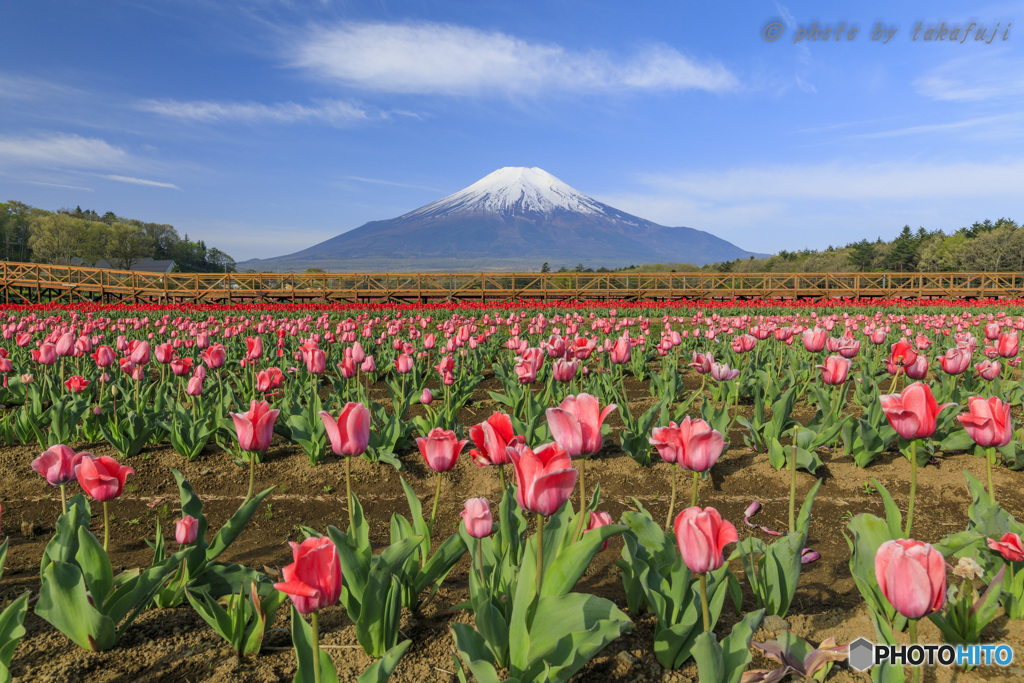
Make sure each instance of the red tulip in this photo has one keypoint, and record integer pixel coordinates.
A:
(253, 348)
(545, 478)
(269, 379)
(440, 448)
(692, 444)
(912, 576)
(988, 422)
(835, 370)
(1010, 547)
(57, 464)
(913, 412)
(491, 437)
(102, 478)
(186, 529)
(76, 384)
(164, 353)
(181, 366)
(104, 356)
(903, 354)
(1008, 344)
(702, 536)
(478, 518)
(350, 433)
(576, 424)
(255, 428)
(313, 579)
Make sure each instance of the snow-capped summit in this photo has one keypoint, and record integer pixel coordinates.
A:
(512, 220)
(512, 191)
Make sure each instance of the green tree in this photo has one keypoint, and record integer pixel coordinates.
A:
(545, 267)
(56, 238)
(903, 256)
(127, 243)
(861, 254)
(163, 238)
(93, 246)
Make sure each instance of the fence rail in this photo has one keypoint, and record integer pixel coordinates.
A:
(31, 283)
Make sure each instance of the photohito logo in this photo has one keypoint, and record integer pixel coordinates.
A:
(864, 654)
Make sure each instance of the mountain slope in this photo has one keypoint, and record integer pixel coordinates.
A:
(512, 219)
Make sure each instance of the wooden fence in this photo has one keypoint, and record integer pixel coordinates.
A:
(31, 283)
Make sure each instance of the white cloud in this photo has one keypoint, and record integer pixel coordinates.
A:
(25, 88)
(141, 181)
(335, 112)
(773, 207)
(974, 78)
(62, 186)
(432, 58)
(59, 149)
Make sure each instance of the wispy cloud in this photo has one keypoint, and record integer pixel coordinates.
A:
(390, 183)
(974, 78)
(141, 181)
(433, 58)
(984, 124)
(59, 149)
(335, 112)
(60, 185)
(27, 88)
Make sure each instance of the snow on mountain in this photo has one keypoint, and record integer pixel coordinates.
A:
(513, 191)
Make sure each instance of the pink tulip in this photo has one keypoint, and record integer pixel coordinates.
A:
(545, 478)
(358, 354)
(576, 424)
(955, 361)
(214, 356)
(253, 348)
(46, 354)
(426, 398)
(350, 433)
(692, 444)
(181, 367)
(368, 364)
(620, 351)
(1010, 547)
(104, 356)
(347, 367)
(186, 529)
(164, 353)
(702, 536)
(313, 580)
(269, 379)
(814, 339)
(194, 387)
(140, 353)
(598, 519)
(744, 343)
(987, 369)
(913, 412)
(478, 518)
(66, 345)
(491, 438)
(992, 331)
(255, 428)
(723, 373)
(57, 464)
(988, 422)
(102, 478)
(702, 362)
(316, 361)
(912, 576)
(564, 371)
(919, 368)
(877, 336)
(403, 364)
(440, 448)
(835, 370)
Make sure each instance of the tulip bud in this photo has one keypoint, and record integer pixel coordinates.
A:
(426, 398)
(185, 530)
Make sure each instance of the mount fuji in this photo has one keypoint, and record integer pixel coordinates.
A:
(514, 219)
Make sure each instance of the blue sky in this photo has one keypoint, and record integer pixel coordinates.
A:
(264, 127)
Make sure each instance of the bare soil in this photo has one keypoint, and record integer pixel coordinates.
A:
(176, 645)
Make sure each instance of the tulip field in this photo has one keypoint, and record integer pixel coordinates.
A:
(716, 492)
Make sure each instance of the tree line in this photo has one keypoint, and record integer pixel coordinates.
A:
(36, 235)
(984, 246)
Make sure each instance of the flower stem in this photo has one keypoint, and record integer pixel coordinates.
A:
(437, 495)
(63, 499)
(316, 646)
(696, 484)
(704, 601)
(252, 476)
(672, 501)
(106, 525)
(915, 672)
(480, 561)
(348, 488)
(913, 487)
(540, 552)
(583, 502)
(792, 483)
(990, 455)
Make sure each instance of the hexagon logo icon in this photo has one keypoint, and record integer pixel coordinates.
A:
(862, 654)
